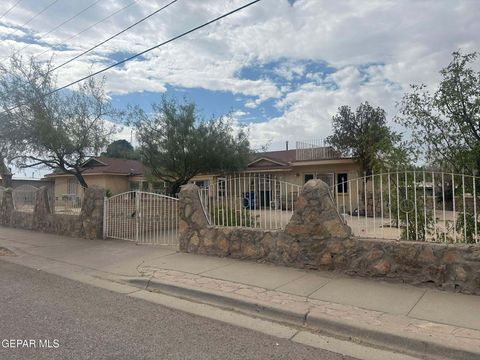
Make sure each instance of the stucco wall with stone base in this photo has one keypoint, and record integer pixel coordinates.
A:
(316, 238)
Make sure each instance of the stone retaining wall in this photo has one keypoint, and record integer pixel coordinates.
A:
(316, 238)
(89, 224)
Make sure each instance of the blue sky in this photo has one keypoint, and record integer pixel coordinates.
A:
(281, 67)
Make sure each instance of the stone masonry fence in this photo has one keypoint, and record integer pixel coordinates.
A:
(317, 238)
(87, 225)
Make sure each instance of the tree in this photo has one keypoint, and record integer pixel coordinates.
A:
(121, 149)
(58, 130)
(176, 144)
(5, 173)
(445, 124)
(364, 134)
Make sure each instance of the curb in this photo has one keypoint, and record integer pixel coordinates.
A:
(315, 320)
(224, 301)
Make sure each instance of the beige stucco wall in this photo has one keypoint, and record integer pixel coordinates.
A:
(114, 183)
(297, 176)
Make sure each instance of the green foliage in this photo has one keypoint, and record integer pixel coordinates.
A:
(364, 134)
(57, 130)
(445, 122)
(415, 226)
(230, 217)
(465, 226)
(121, 149)
(177, 144)
(408, 206)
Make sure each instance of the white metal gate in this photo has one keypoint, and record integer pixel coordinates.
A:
(143, 217)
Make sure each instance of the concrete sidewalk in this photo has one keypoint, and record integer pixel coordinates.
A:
(423, 319)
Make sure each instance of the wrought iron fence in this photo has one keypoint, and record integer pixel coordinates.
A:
(316, 149)
(67, 204)
(252, 200)
(24, 198)
(143, 217)
(411, 205)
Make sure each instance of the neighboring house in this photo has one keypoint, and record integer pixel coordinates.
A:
(17, 182)
(114, 175)
(295, 166)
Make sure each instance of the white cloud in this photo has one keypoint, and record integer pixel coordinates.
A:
(378, 47)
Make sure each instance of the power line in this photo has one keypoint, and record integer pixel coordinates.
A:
(60, 25)
(148, 50)
(90, 27)
(34, 16)
(114, 36)
(10, 9)
(154, 47)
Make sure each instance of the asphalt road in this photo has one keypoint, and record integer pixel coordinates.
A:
(92, 323)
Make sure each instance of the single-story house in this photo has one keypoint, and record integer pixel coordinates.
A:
(112, 174)
(295, 166)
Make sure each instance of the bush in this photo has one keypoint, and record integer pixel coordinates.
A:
(467, 227)
(232, 217)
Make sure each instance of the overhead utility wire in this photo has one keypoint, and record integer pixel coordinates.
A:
(114, 36)
(34, 16)
(10, 9)
(60, 25)
(149, 49)
(154, 47)
(90, 27)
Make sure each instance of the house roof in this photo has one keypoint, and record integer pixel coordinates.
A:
(114, 166)
(276, 158)
(286, 159)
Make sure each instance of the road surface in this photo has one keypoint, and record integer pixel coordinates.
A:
(64, 319)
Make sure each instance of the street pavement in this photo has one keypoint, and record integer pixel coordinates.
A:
(399, 317)
(93, 323)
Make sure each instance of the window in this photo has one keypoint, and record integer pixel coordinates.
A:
(72, 186)
(309, 177)
(221, 186)
(134, 185)
(342, 184)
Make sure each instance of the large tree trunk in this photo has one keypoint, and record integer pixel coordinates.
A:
(81, 180)
(5, 174)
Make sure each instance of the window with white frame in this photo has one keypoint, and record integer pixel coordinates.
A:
(221, 186)
(342, 183)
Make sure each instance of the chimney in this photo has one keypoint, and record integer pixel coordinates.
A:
(286, 145)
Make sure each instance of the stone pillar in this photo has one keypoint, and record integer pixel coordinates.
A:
(42, 208)
(315, 214)
(91, 215)
(7, 180)
(6, 207)
(192, 217)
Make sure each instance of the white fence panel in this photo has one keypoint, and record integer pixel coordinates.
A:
(253, 200)
(411, 205)
(24, 198)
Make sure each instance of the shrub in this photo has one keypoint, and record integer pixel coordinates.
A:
(232, 217)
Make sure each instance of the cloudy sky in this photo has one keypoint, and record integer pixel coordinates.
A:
(282, 67)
